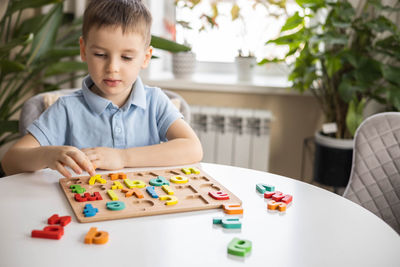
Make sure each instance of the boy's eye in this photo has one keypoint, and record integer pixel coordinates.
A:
(127, 58)
(99, 55)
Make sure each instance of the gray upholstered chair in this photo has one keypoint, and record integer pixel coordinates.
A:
(35, 105)
(375, 176)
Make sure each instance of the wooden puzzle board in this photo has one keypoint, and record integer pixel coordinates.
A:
(193, 195)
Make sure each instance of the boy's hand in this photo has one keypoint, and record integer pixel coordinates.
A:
(61, 156)
(105, 157)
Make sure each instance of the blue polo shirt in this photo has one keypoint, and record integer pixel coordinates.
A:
(85, 119)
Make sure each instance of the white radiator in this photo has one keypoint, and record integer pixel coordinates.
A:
(237, 137)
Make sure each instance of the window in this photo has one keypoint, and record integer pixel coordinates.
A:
(257, 22)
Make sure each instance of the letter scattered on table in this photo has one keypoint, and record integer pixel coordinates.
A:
(96, 237)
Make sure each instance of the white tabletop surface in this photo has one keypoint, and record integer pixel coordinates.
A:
(318, 229)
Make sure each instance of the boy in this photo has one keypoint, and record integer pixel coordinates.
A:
(114, 121)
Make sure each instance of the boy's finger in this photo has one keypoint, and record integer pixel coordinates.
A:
(72, 164)
(84, 163)
(61, 169)
(87, 150)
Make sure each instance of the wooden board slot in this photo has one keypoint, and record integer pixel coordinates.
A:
(186, 189)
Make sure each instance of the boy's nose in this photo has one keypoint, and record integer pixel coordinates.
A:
(113, 66)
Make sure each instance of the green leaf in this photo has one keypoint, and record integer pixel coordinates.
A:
(23, 40)
(368, 71)
(57, 53)
(351, 56)
(343, 11)
(8, 66)
(332, 64)
(30, 25)
(46, 37)
(354, 115)
(391, 73)
(293, 22)
(333, 38)
(381, 24)
(341, 24)
(379, 7)
(288, 39)
(266, 61)
(17, 5)
(65, 67)
(347, 90)
(311, 3)
(394, 97)
(171, 46)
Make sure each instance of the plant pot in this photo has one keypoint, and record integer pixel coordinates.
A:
(332, 160)
(183, 64)
(244, 68)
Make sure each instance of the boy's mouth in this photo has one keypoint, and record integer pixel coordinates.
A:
(111, 82)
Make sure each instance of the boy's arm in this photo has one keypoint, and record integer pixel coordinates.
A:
(27, 155)
(182, 148)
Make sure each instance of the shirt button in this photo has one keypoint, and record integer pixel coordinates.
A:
(117, 130)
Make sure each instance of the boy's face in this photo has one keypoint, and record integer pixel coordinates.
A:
(114, 61)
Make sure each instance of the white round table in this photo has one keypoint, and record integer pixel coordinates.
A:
(318, 229)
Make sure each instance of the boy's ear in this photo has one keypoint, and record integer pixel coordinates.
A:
(82, 48)
(147, 57)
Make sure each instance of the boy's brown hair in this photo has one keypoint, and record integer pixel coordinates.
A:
(130, 15)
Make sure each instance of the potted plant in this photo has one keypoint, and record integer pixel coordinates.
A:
(244, 66)
(183, 61)
(33, 52)
(345, 57)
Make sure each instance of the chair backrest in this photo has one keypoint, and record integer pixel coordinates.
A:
(35, 106)
(375, 176)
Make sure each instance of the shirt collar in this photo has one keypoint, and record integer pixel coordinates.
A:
(98, 104)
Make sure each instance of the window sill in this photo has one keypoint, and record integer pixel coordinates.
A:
(261, 84)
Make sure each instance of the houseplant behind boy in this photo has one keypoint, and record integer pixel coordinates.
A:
(346, 57)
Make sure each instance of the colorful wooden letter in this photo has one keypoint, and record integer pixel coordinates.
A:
(112, 195)
(186, 170)
(96, 178)
(89, 211)
(159, 181)
(270, 194)
(79, 198)
(49, 232)
(55, 219)
(96, 237)
(219, 195)
(287, 199)
(152, 192)
(117, 185)
(232, 208)
(115, 205)
(139, 184)
(76, 188)
(116, 176)
(228, 222)
(88, 197)
(136, 183)
(167, 189)
(264, 187)
(277, 196)
(133, 191)
(273, 205)
(239, 247)
(190, 170)
(179, 179)
(170, 200)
